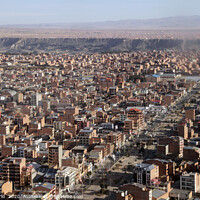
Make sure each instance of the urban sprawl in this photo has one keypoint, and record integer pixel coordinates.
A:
(121, 126)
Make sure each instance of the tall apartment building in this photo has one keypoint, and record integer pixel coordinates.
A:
(27, 175)
(144, 173)
(2, 139)
(183, 131)
(59, 125)
(12, 170)
(5, 129)
(35, 98)
(8, 150)
(55, 156)
(134, 121)
(81, 123)
(21, 119)
(135, 114)
(190, 182)
(166, 167)
(191, 153)
(129, 126)
(175, 145)
(70, 114)
(84, 136)
(116, 138)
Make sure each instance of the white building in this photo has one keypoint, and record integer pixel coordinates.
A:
(59, 125)
(190, 182)
(66, 177)
(35, 98)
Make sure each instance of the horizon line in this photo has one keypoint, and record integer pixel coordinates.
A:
(87, 22)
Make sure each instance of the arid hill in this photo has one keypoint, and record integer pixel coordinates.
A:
(93, 45)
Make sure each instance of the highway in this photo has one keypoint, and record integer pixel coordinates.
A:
(162, 122)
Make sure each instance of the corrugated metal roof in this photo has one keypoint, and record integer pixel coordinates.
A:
(157, 193)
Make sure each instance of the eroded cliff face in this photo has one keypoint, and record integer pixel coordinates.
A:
(92, 45)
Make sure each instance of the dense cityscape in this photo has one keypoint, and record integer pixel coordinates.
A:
(100, 126)
(100, 100)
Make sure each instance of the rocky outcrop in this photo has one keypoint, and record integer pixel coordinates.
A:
(92, 45)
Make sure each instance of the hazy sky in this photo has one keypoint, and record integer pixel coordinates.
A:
(66, 11)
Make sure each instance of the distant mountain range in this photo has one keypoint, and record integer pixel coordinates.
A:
(172, 23)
